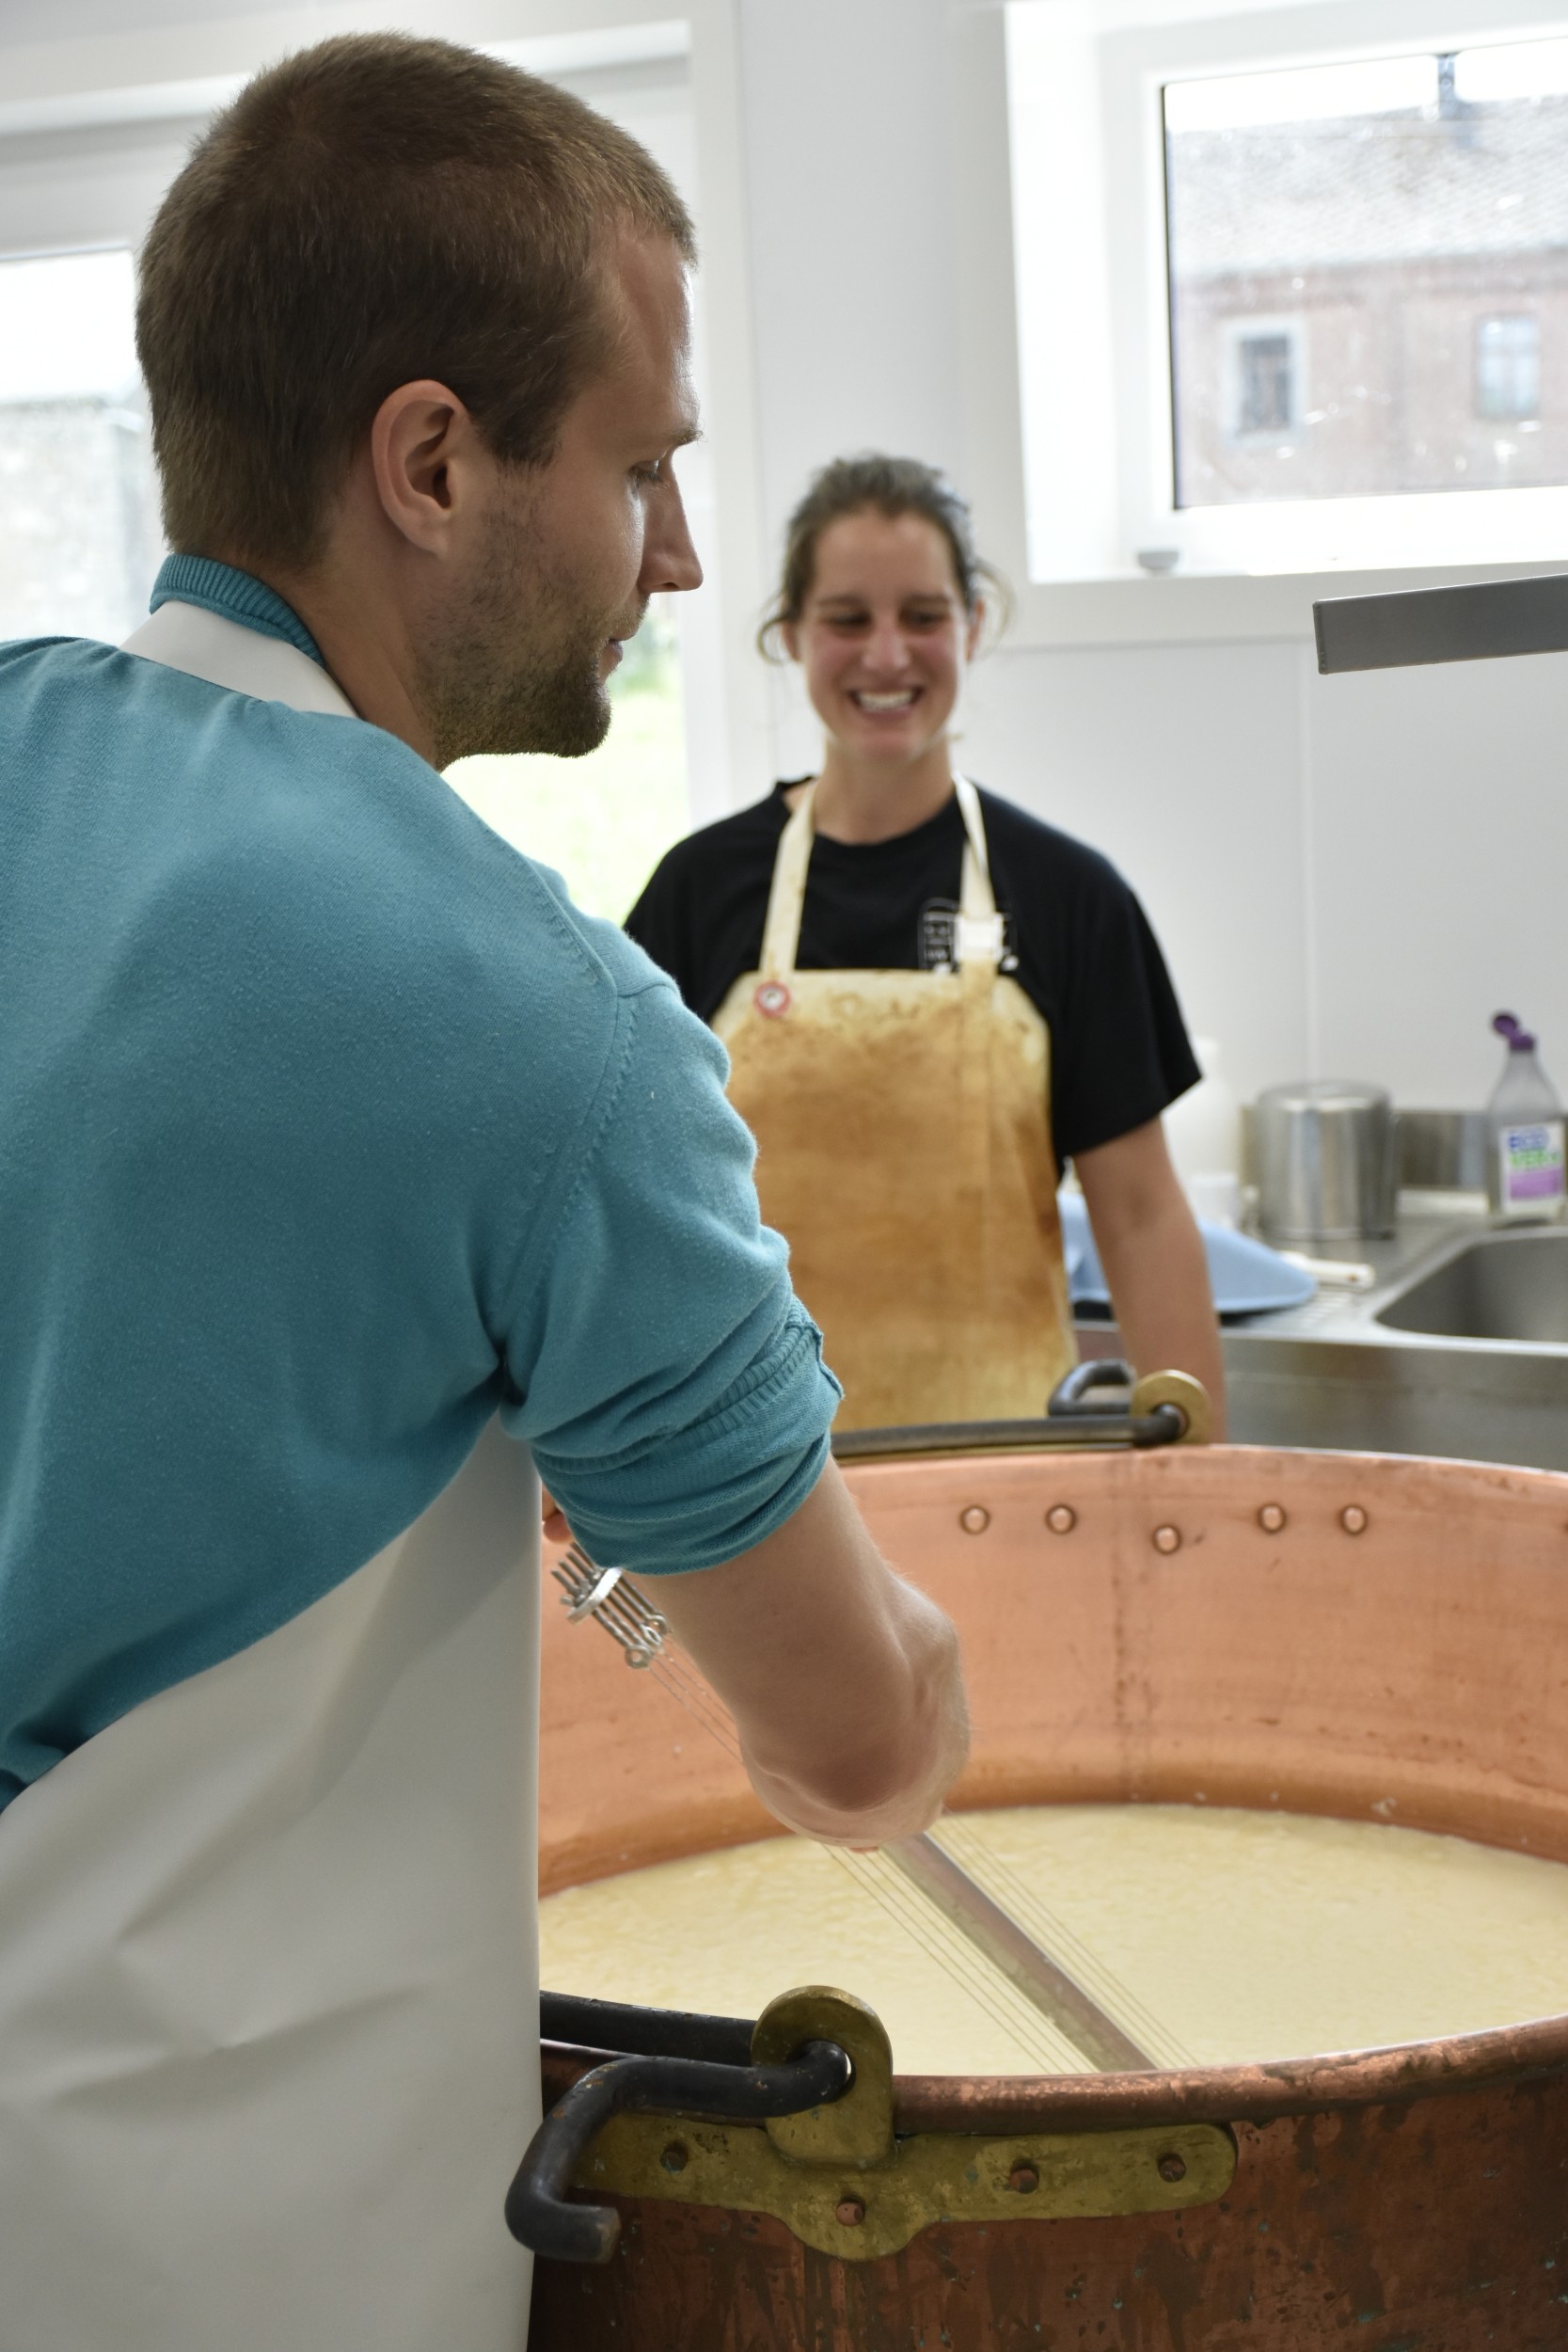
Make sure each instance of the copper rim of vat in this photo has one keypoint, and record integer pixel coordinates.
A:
(1362, 1636)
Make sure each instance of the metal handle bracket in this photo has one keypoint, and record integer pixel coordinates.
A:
(538, 2212)
(845, 2185)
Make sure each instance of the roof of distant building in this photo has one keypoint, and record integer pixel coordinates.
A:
(1487, 180)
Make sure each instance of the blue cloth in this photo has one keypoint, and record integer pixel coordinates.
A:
(328, 1128)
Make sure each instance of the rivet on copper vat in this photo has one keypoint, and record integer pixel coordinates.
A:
(1061, 1519)
(975, 1519)
(1271, 1517)
(1412, 2196)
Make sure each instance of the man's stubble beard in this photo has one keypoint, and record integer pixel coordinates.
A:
(514, 666)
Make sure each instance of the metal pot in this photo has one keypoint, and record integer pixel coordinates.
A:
(1325, 1161)
(1362, 1636)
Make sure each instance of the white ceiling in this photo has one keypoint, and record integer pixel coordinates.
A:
(26, 21)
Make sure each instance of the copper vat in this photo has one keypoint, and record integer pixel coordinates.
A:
(1357, 1635)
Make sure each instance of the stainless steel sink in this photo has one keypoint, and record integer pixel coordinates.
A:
(1499, 1286)
(1460, 1347)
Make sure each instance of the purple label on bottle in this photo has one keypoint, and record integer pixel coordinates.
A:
(1533, 1162)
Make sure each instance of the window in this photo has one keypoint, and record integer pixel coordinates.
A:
(1508, 370)
(605, 820)
(79, 532)
(1265, 370)
(80, 545)
(79, 538)
(1319, 288)
(1382, 197)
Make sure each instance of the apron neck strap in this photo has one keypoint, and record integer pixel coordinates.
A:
(974, 941)
(977, 899)
(781, 935)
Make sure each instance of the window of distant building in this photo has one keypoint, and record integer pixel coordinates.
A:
(1384, 195)
(1508, 370)
(1315, 291)
(1263, 368)
(1266, 387)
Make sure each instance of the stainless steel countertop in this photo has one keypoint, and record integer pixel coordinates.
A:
(1430, 1227)
(1329, 1374)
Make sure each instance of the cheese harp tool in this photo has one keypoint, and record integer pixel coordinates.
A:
(941, 1883)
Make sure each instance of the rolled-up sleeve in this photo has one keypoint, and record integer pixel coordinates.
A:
(670, 1383)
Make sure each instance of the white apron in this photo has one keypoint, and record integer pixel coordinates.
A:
(269, 1979)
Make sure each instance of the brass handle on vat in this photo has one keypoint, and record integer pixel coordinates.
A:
(537, 2212)
(1161, 1393)
(848, 2184)
(1161, 1408)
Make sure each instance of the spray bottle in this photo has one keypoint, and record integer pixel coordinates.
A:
(1526, 1179)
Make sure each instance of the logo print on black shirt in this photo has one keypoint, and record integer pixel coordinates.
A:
(938, 926)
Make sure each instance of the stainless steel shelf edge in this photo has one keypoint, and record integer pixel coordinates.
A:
(1480, 622)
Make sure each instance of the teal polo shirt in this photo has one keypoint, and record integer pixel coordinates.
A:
(330, 1128)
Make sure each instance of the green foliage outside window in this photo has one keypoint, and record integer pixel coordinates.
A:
(603, 821)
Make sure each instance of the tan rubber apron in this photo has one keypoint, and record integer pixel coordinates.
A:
(268, 2025)
(904, 1151)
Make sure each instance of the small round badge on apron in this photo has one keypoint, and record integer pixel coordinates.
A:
(772, 998)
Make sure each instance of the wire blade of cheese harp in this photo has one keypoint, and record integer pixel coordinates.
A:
(1012, 1960)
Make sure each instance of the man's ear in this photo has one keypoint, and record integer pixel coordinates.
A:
(423, 441)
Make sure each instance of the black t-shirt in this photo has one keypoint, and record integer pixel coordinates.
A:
(1076, 940)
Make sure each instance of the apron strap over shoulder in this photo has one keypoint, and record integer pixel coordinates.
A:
(781, 935)
(977, 933)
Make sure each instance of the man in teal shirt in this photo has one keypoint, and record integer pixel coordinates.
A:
(346, 1171)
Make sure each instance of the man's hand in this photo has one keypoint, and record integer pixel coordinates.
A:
(843, 1681)
(556, 1529)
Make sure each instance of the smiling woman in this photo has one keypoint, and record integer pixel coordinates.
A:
(930, 1001)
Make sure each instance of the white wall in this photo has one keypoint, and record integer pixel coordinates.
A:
(1180, 762)
(1349, 875)
(854, 255)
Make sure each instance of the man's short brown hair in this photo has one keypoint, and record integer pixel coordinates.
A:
(371, 210)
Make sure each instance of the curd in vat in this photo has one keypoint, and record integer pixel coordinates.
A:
(1214, 1936)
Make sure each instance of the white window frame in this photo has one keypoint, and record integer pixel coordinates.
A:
(1084, 83)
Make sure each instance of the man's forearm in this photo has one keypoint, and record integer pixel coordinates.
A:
(843, 1681)
(890, 1781)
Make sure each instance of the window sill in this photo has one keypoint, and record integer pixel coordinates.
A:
(1199, 607)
